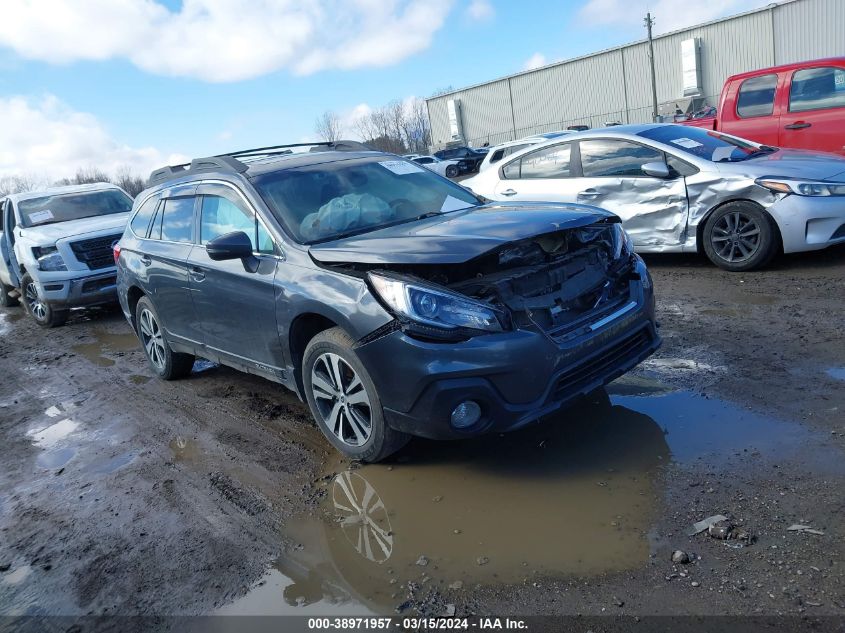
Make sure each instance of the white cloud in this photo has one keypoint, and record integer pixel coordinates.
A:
(669, 14)
(480, 10)
(48, 140)
(223, 40)
(535, 61)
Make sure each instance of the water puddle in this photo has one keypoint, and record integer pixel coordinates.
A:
(576, 495)
(836, 372)
(53, 434)
(184, 450)
(106, 344)
(6, 320)
(17, 576)
(56, 458)
(139, 379)
(112, 464)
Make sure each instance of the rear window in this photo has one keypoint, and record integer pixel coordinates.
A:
(73, 206)
(706, 144)
(757, 96)
(141, 222)
(817, 89)
(610, 157)
(326, 201)
(548, 162)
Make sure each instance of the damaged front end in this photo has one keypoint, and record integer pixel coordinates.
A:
(557, 283)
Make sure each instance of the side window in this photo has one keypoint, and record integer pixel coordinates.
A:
(757, 96)
(549, 162)
(817, 89)
(606, 157)
(222, 215)
(498, 155)
(177, 222)
(680, 167)
(511, 170)
(424, 160)
(141, 222)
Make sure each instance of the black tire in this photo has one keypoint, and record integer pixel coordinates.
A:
(358, 429)
(166, 363)
(451, 171)
(41, 312)
(740, 236)
(7, 300)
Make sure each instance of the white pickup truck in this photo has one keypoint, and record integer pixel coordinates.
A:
(56, 248)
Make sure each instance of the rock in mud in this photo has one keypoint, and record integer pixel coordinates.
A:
(422, 561)
(680, 557)
(458, 584)
(482, 560)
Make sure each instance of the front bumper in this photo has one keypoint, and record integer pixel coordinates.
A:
(516, 377)
(809, 223)
(78, 292)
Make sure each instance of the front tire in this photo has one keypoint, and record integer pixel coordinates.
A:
(740, 236)
(42, 312)
(344, 401)
(451, 171)
(7, 300)
(166, 363)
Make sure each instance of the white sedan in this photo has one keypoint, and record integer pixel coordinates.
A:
(448, 168)
(685, 189)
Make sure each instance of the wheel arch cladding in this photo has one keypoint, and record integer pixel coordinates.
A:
(304, 328)
(132, 297)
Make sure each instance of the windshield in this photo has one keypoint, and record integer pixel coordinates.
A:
(73, 206)
(706, 144)
(331, 200)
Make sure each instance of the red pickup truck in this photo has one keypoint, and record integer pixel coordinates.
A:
(796, 105)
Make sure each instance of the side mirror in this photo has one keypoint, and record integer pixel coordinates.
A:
(656, 170)
(234, 245)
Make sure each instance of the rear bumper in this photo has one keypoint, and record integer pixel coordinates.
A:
(516, 377)
(809, 223)
(79, 292)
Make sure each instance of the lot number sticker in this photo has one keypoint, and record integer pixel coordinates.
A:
(686, 142)
(41, 216)
(400, 167)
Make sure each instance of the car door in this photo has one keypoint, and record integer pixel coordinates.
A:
(815, 110)
(542, 175)
(235, 305)
(7, 243)
(757, 118)
(654, 211)
(165, 256)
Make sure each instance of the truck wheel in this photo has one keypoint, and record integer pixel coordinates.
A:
(344, 400)
(41, 311)
(166, 363)
(451, 171)
(740, 236)
(7, 300)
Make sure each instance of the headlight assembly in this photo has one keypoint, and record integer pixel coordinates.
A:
(802, 187)
(49, 258)
(433, 307)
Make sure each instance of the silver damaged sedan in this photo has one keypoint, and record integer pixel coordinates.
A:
(685, 189)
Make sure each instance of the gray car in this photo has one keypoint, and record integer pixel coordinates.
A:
(392, 300)
(686, 189)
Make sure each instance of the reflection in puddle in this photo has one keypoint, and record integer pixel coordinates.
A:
(17, 576)
(183, 449)
(574, 496)
(836, 372)
(55, 459)
(52, 435)
(113, 464)
(104, 343)
(6, 320)
(202, 365)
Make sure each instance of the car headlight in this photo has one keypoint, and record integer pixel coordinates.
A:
(802, 187)
(49, 258)
(622, 244)
(436, 308)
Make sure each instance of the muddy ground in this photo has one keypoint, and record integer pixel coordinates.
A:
(123, 494)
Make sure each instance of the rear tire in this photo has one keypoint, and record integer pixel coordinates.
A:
(344, 401)
(41, 312)
(451, 171)
(166, 363)
(7, 300)
(740, 236)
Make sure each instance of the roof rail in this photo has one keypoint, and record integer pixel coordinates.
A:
(230, 162)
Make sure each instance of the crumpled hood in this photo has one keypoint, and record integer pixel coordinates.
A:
(456, 237)
(795, 163)
(51, 233)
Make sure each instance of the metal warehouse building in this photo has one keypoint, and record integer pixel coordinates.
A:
(615, 85)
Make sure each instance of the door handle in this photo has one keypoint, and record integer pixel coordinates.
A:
(509, 192)
(197, 274)
(145, 260)
(800, 125)
(588, 193)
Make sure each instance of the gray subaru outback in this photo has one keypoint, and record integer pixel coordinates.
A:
(392, 300)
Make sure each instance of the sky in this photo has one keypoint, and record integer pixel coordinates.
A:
(143, 83)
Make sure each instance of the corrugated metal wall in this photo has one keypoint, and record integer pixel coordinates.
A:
(615, 85)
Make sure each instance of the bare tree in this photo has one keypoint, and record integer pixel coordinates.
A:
(18, 184)
(328, 127)
(129, 181)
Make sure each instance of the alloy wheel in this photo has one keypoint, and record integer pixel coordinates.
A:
(735, 237)
(363, 516)
(341, 399)
(36, 305)
(152, 339)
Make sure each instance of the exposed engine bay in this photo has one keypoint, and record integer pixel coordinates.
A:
(552, 281)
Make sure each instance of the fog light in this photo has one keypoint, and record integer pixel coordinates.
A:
(466, 414)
